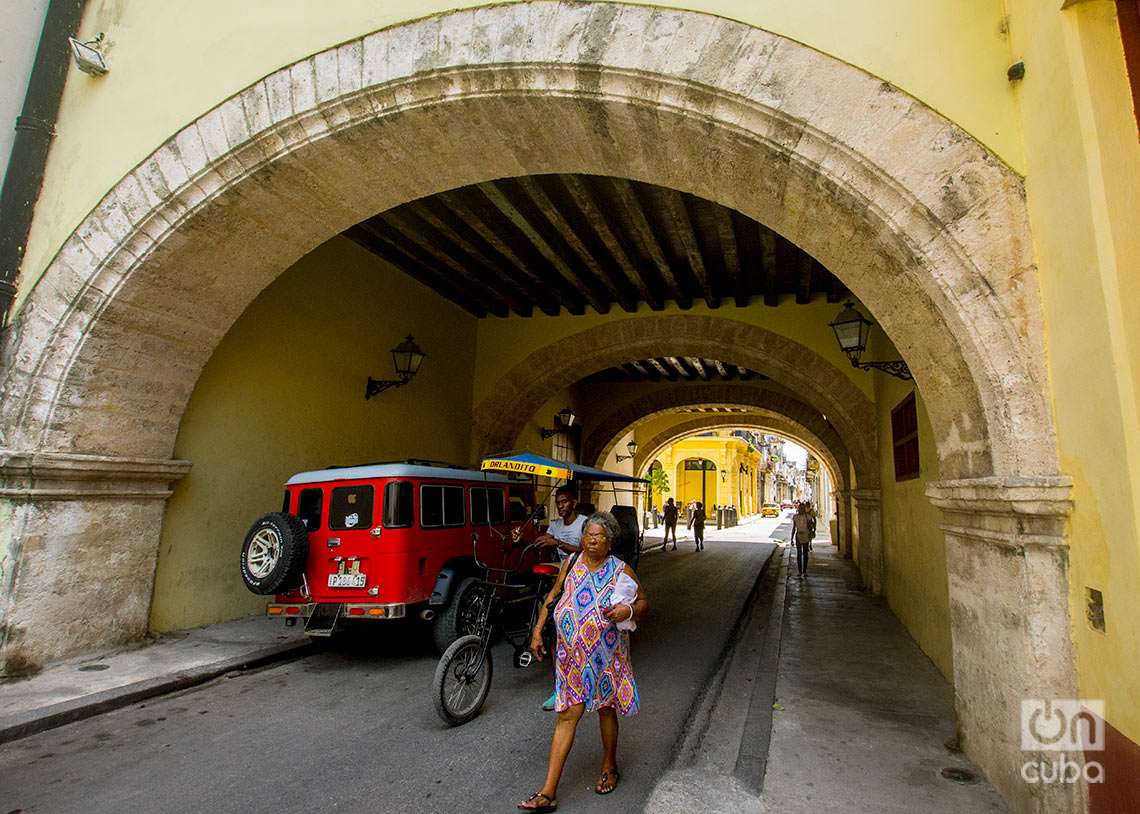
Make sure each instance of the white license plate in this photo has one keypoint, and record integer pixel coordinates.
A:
(347, 580)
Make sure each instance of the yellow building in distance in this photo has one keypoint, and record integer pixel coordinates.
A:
(717, 469)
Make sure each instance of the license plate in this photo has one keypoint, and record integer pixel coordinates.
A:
(347, 580)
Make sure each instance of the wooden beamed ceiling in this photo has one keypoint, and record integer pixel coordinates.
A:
(675, 369)
(549, 242)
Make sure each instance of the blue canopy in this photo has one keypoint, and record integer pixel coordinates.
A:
(529, 463)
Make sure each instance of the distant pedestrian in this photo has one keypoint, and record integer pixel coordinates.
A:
(690, 508)
(670, 512)
(699, 526)
(803, 532)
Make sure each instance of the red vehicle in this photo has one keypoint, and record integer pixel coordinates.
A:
(382, 541)
(787, 504)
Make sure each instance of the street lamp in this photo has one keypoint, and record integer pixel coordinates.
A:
(406, 358)
(563, 420)
(632, 448)
(852, 331)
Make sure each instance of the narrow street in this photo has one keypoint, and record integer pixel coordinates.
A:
(352, 728)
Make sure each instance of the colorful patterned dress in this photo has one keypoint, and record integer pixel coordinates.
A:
(592, 661)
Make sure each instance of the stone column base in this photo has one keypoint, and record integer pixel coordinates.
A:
(79, 552)
(1007, 569)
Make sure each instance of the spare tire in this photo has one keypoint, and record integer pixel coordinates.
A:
(274, 553)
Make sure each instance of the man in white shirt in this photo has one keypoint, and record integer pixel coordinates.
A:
(565, 531)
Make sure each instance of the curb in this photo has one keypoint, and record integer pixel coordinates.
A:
(14, 727)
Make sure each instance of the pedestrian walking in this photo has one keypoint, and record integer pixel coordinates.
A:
(699, 526)
(670, 512)
(592, 656)
(803, 532)
(690, 509)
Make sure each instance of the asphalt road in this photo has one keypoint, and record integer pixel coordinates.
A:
(352, 728)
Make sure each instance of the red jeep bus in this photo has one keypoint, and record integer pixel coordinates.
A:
(382, 541)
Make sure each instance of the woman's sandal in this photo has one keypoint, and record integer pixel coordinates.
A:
(607, 782)
(542, 808)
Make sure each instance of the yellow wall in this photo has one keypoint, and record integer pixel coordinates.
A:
(171, 62)
(1083, 192)
(914, 548)
(283, 393)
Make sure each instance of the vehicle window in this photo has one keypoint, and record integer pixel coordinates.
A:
(398, 504)
(285, 503)
(309, 508)
(441, 506)
(486, 506)
(350, 507)
(520, 506)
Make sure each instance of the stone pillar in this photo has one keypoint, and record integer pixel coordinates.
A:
(1007, 569)
(868, 515)
(79, 552)
(843, 522)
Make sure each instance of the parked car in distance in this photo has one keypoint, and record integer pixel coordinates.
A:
(787, 504)
(769, 510)
(383, 541)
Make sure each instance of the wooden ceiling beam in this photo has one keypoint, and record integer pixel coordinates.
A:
(769, 259)
(584, 200)
(570, 285)
(726, 236)
(698, 366)
(600, 281)
(660, 368)
(803, 284)
(835, 290)
(744, 373)
(632, 371)
(643, 231)
(393, 255)
(537, 286)
(645, 371)
(721, 369)
(418, 233)
(679, 366)
(686, 235)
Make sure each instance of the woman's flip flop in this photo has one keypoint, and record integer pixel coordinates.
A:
(534, 803)
(609, 779)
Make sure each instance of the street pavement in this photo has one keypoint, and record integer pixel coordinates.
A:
(352, 728)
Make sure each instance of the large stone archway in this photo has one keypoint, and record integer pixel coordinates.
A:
(924, 225)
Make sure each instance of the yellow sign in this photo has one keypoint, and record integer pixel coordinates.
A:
(526, 468)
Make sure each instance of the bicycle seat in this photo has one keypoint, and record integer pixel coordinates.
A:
(546, 569)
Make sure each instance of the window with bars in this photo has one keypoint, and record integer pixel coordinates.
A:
(904, 435)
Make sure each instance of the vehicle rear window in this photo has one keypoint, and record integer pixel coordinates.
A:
(486, 506)
(350, 507)
(441, 506)
(309, 508)
(398, 504)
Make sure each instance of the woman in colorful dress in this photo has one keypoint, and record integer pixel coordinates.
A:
(592, 667)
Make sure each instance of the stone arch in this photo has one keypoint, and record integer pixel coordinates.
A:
(787, 416)
(927, 227)
(522, 390)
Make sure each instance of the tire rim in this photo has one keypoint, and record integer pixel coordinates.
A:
(264, 552)
(463, 689)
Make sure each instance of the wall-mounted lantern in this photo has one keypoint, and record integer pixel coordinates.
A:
(852, 330)
(406, 358)
(563, 420)
(88, 58)
(631, 447)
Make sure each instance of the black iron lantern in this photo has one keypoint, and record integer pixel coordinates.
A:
(853, 331)
(406, 358)
(631, 447)
(563, 420)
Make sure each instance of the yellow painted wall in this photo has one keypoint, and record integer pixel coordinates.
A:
(1083, 192)
(283, 393)
(914, 548)
(171, 62)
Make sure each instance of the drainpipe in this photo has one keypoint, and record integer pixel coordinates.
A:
(35, 128)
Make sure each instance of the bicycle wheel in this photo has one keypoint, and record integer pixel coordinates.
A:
(462, 680)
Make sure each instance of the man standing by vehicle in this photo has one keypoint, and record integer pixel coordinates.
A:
(565, 532)
(803, 531)
(670, 512)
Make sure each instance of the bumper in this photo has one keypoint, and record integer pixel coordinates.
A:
(348, 610)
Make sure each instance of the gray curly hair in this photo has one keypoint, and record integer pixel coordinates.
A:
(608, 523)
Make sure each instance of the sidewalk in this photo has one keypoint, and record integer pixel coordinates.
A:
(93, 684)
